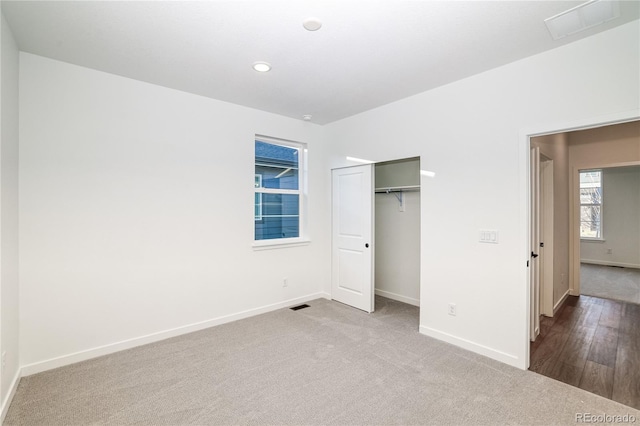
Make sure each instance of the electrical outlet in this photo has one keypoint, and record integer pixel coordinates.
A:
(285, 282)
(4, 360)
(452, 309)
(609, 251)
(562, 278)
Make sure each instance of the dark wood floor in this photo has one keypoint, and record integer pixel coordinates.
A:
(593, 344)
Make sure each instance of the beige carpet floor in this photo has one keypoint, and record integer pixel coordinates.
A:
(326, 364)
(610, 282)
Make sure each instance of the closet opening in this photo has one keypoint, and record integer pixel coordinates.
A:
(397, 230)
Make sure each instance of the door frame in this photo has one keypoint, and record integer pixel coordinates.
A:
(574, 219)
(547, 234)
(534, 239)
(525, 136)
(541, 267)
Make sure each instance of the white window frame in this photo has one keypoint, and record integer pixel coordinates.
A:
(259, 215)
(601, 204)
(302, 238)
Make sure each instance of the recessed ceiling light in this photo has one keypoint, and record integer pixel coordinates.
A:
(306, 117)
(312, 24)
(261, 66)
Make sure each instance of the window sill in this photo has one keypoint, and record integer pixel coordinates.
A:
(274, 244)
(592, 240)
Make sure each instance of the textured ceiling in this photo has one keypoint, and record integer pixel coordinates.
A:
(367, 53)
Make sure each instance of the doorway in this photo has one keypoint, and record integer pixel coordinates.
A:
(588, 340)
(575, 147)
(610, 233)
(376, 233)
(397, 230)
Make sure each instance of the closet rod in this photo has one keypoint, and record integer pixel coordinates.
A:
(398, 189)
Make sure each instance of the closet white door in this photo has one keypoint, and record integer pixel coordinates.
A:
(352, 237)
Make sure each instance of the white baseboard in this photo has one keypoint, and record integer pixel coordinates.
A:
(558, 305)
(398, 297)
(504, 357)
(61, 361)
(12, 391)
(606, 263)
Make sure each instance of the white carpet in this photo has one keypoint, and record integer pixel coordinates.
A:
(326, 364)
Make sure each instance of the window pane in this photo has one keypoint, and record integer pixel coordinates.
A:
(258, 206)
(590, 219)
(277, 166)
(590, 196)
(280, 217)
(590, 213)
(590, 230)
(590, 178)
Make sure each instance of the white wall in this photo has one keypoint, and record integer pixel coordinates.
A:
(468, 134)
(9, 289)
(136, 213)
(397, 247)
(621, 220)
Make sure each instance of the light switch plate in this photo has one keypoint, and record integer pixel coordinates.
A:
(489, 236)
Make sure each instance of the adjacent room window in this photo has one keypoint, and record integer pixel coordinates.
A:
(278, 187)
(591, 204)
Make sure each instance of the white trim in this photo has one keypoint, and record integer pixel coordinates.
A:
(277, 141)
(398, 297)
(12, 391)
(61, 361)
(277, 191)
(278, 244)
(558, 305)
(606, 263)
(504, 357)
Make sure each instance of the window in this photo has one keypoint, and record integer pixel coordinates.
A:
(591, 204)
(279, 173)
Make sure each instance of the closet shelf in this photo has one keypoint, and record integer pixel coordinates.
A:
(407, 188)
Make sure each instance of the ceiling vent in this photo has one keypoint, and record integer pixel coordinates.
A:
(582, 17)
